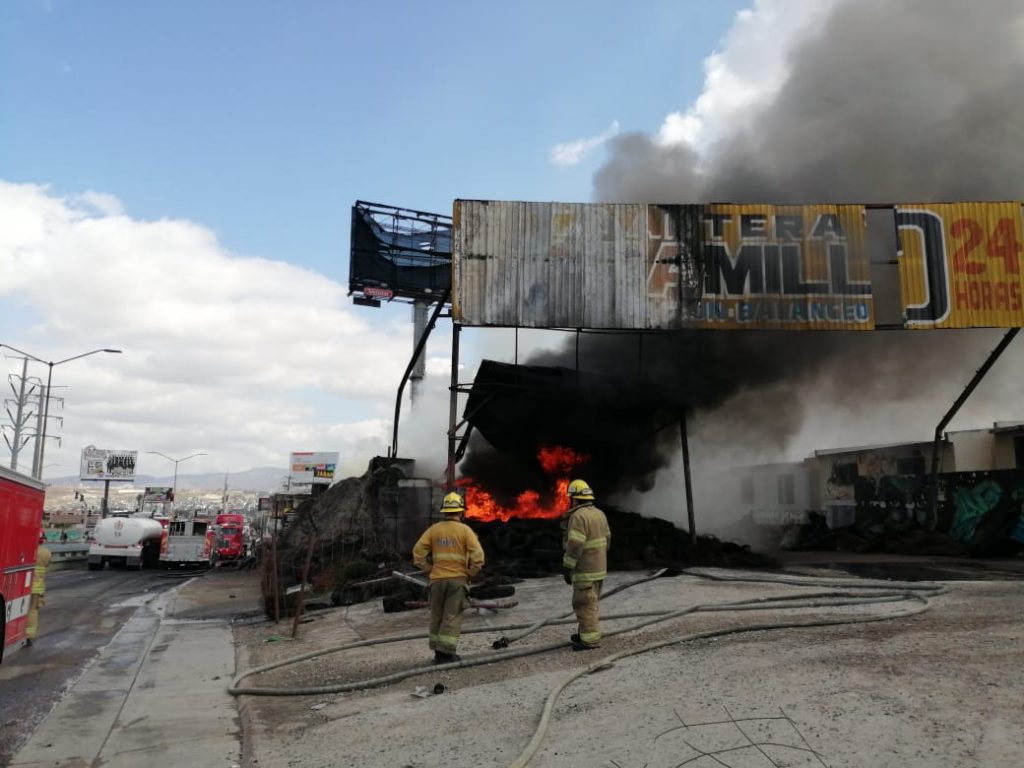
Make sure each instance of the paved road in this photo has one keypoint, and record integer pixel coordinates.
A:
(83, 611)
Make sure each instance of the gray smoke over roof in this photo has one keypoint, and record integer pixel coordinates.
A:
(913, 101)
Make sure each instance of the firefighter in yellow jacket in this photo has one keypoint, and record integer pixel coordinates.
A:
(586, 538)
(37, 600)
(450, 552)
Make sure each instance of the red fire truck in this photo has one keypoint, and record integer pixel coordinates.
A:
(21, 518)
(231, 537)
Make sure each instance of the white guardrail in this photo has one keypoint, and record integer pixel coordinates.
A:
(72, 551)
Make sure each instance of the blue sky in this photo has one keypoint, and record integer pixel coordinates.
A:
(265, 120)
(176, 181)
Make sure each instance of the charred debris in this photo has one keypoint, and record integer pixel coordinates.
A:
(351, 539)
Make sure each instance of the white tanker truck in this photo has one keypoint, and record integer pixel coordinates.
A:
(126, 542)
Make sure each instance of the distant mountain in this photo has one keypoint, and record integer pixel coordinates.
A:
(267, 479)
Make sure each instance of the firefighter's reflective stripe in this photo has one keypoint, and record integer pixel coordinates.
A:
(585, 597)
(43, 558)
(586, 542)
(447, 602)
(446, 556)
(448, 549)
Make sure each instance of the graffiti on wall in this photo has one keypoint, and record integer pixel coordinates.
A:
(986, 510)
(979, 513)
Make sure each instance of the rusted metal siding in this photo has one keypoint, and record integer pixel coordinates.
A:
(805, 267)
(627, 266)
(960, 264)
(548, 265)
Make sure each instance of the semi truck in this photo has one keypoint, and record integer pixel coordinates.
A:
(232, 537)
(128, 542)
(21, 519)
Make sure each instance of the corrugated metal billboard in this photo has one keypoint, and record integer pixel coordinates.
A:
(630, 266)
(960, 265)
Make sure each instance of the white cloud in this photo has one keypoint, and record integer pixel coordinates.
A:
(241, 357)
(747, 70)
(100, 202)
(573, 152)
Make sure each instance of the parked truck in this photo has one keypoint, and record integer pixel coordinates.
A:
(128, 542)
(21, 518)
(232, 537)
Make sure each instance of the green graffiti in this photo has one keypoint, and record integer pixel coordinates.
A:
(971, 506)
(1018, 497)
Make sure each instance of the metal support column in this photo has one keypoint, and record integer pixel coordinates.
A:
(412, 364)
(419, 369)
(453, 406)
(106, 499)
(686, 477)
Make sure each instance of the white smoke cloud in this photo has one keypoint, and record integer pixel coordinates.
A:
(240, 357)
(573, 152)
(746, 71)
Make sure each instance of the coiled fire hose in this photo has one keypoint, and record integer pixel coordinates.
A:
(882, 592)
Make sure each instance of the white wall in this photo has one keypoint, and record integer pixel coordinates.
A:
(973, 450)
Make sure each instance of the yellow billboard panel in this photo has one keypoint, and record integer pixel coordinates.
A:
(960, 265)
(783, 266)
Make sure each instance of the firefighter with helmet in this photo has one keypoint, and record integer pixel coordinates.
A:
(450, 553)
(37, 600)
(586, 538)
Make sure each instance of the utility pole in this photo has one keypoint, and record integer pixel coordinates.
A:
(42, 426)
(19, 418)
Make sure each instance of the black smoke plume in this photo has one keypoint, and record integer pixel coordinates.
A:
(916, 101)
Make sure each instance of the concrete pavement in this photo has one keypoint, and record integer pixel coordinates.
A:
(155, 696)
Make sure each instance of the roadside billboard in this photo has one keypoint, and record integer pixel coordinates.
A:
(661, 267)
(311, 468)
(726, 266)
(106, 464)
(960, 265)
(158, 493)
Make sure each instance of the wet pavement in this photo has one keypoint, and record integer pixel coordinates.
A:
(895, 567)
(83, 611)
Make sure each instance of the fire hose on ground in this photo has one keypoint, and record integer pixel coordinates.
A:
(882, 592)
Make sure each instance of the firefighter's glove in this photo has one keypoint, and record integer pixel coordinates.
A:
(567, 575)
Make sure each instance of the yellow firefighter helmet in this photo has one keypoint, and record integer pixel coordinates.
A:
(578, 489)
(452, 504)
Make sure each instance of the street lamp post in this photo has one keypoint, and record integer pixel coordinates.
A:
(41, 439)
(174, 486)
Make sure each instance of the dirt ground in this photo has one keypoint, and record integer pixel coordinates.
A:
(942, 688)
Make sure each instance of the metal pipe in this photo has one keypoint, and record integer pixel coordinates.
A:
(412, 363)
(933, 486)
(411, 579)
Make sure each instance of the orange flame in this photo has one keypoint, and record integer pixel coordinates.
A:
(556, 462)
